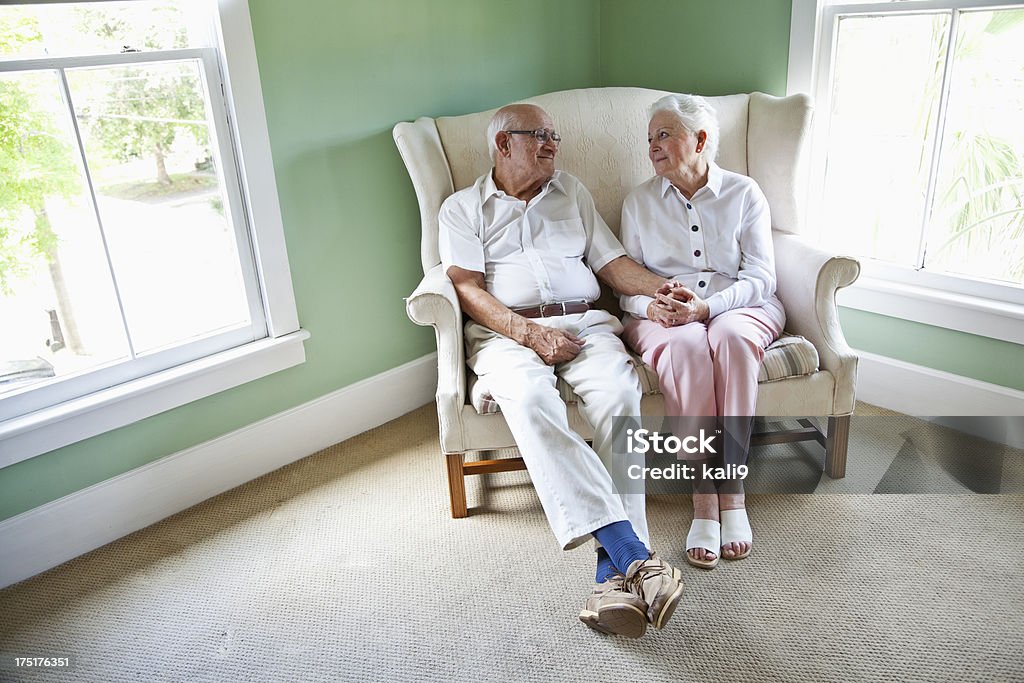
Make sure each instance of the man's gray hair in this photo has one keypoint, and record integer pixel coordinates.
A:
(694, 112)
(503, 119)
(506, 118)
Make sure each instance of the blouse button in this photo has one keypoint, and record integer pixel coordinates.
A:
(694, 228)
(688, 206)
(697, 252)
(701, 283)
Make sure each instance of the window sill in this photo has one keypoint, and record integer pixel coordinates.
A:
(965, 313)
(40, 432)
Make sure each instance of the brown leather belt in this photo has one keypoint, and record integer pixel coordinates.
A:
(551, 310)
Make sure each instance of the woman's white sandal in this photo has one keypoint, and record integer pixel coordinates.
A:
(706, 534)
(736, 529)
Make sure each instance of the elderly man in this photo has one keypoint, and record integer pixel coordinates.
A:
(522, 246)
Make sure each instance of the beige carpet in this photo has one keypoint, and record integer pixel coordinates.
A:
(345, 566)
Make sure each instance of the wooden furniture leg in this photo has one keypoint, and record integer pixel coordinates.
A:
(835, 441)
(456, 484)
(835, 446)
(458, 469)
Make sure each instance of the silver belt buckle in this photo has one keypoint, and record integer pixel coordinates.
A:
(557, 308)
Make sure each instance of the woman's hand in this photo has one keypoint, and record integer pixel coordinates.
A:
(698, 309)
(676, 304)
(664, 315)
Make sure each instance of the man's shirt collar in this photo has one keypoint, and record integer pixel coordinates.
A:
(489, 189)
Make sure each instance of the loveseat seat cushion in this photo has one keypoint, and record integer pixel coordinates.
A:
(788, 356)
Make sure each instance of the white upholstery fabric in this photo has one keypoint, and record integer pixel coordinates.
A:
(778, 130)
(604, 144)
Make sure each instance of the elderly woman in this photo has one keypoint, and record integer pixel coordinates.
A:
(708, 231)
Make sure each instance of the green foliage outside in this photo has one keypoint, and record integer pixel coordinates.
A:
(979, 207)
(139, 111)
(128, 112)
(152, 192)
(142, 111)
(35, 163)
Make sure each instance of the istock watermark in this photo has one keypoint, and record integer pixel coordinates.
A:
(680, 471)
(886, 454)
(644, 440)
(670, 454)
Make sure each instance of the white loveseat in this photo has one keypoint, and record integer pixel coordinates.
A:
(604, 134)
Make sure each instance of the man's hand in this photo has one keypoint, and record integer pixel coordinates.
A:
(670, 286)
(553, 346)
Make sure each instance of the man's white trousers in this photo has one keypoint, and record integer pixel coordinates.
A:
(571, 479)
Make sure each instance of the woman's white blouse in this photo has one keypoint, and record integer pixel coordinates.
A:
(719, 243)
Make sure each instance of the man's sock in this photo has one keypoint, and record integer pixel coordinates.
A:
(605, 567)
(621, 544)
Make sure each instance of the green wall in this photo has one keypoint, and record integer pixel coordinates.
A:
(710, 47)
(981, 358)
(336, 76)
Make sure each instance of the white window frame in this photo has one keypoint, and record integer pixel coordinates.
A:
(51, 427)
(36, 396)
(943, 300)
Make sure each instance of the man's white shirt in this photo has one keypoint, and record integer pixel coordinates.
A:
(532, 253)
(719, 243)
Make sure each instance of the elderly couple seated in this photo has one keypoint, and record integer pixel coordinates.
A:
(527, 251)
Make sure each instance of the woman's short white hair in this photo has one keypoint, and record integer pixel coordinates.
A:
(694, 112)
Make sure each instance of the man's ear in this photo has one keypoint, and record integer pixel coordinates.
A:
(503, 142)
(702, 138)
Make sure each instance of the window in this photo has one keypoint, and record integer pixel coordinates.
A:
(918, 154)
(128, 245)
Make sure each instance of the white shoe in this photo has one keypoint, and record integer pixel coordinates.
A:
(736, 529)
(706, 534)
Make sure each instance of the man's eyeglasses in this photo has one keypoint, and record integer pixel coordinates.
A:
(541, 135)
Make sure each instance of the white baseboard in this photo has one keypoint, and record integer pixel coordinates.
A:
(51, 534)
(917, 390)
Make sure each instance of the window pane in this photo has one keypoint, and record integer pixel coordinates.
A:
(161, 199)
(977, 225)
(886, 83)
(58, 308)
(101, 28)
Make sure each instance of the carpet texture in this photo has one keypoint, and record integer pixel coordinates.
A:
(345, 566)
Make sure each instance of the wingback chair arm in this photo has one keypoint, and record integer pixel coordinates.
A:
(435, 303)
(808, 279)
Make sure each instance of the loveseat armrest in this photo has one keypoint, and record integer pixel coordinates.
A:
(808, 279)
(435, 303)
